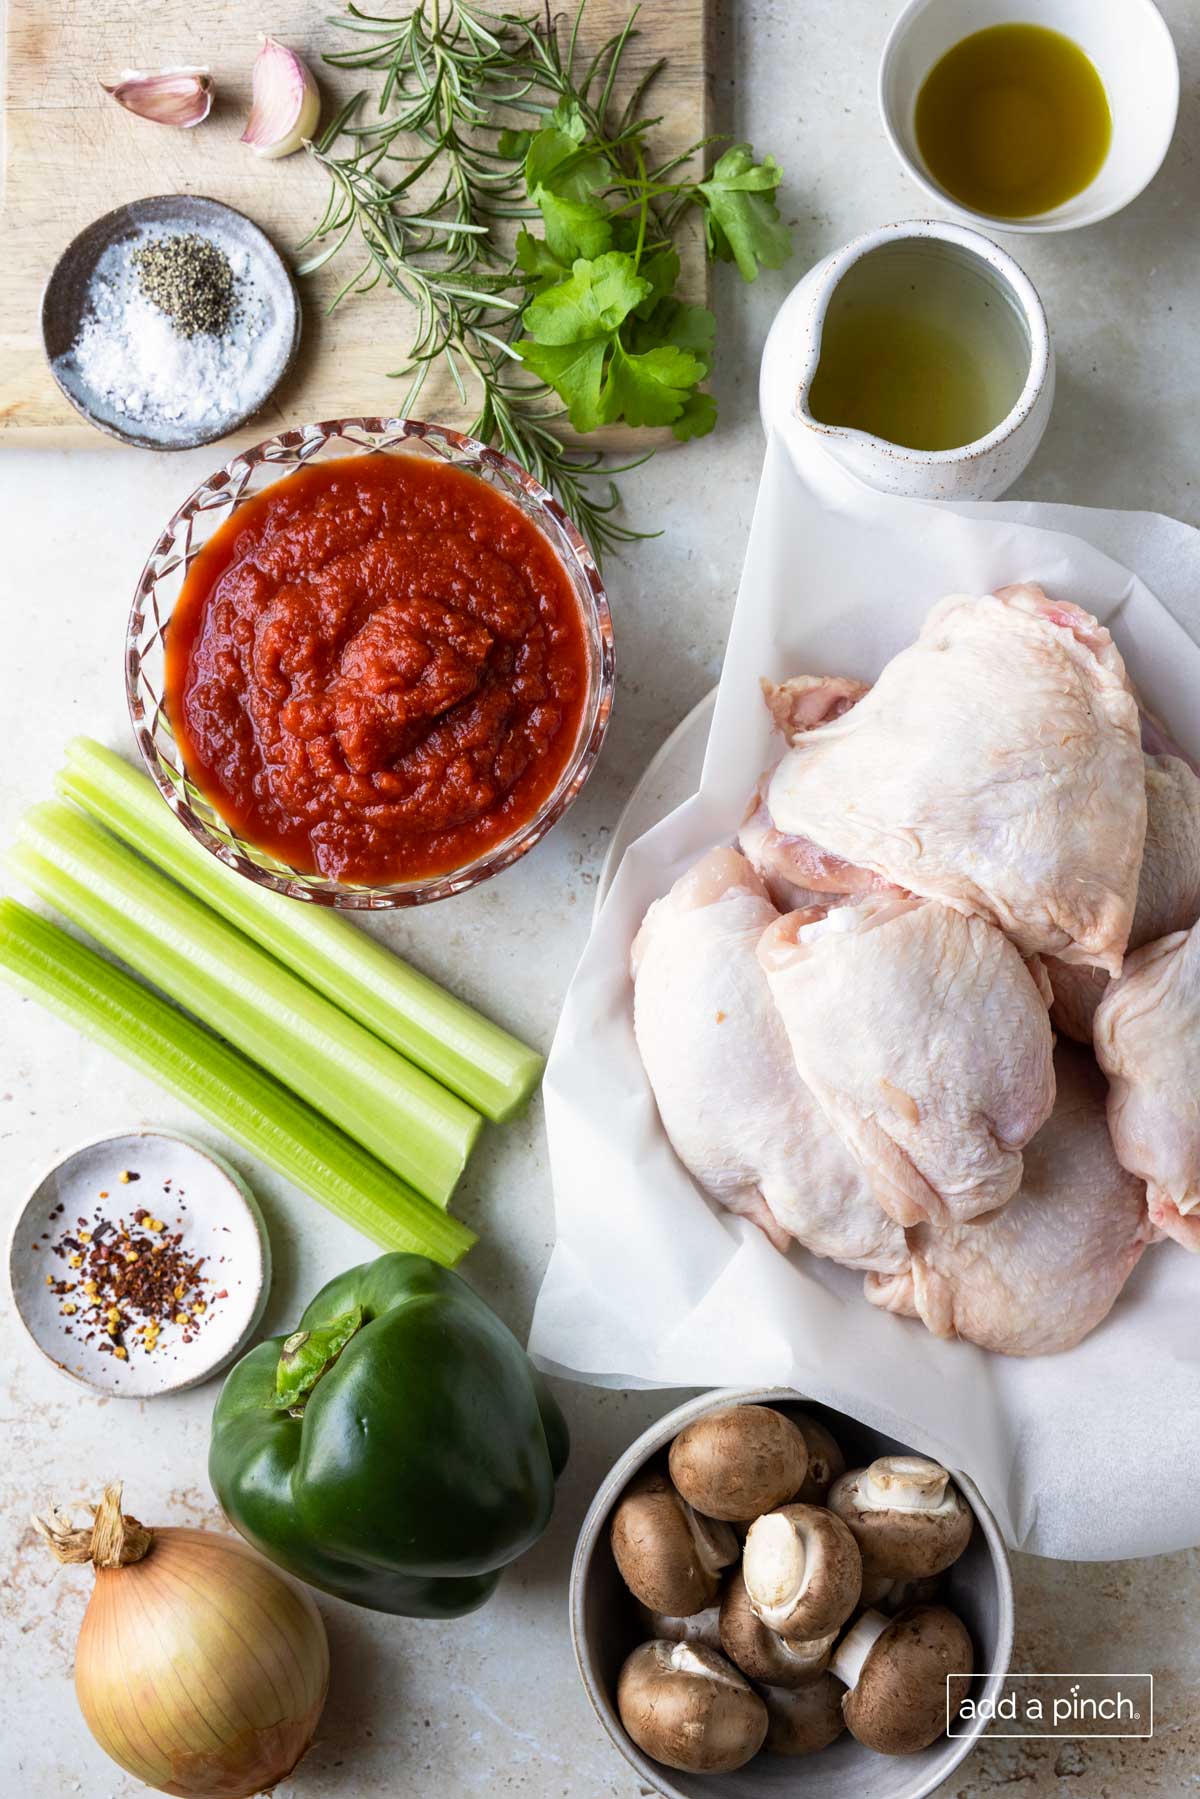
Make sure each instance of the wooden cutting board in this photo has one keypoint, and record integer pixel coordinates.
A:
(71, 154)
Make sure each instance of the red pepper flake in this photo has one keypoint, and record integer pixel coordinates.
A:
(135, 1279)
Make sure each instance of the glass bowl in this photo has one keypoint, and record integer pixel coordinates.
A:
(213, 502)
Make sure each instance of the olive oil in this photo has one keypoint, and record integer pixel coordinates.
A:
(921, 346)
(1013, 121)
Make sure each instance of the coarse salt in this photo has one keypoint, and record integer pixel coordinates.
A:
(129, 356)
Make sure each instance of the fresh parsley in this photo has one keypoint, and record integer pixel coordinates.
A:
(741, 217)
(603, 328)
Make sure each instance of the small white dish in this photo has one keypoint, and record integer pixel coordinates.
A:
(982, 470)
(1127, 41)
(190, 1190)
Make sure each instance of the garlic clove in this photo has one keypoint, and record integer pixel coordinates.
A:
(286, 103)
(181, 97)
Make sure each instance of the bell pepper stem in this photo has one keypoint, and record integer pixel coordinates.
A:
(307, 1355)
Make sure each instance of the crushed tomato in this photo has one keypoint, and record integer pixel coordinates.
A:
(377, 669)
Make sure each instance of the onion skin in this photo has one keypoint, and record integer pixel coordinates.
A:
(201, 1629)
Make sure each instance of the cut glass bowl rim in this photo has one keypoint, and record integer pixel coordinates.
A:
(294, 449)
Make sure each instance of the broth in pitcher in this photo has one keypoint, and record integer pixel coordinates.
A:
(921, 346)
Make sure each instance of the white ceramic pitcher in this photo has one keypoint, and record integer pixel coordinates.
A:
(976, 471)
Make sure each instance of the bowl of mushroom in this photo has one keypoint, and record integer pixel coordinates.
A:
(768, 1596)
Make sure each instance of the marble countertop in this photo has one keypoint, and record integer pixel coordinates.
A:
(493, 1704)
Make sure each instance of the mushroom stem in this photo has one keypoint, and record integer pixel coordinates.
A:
(684, 1660)
(856, 1646)
(905, 1483)
(803, 1571)
(711, 1540)
(780, 1560)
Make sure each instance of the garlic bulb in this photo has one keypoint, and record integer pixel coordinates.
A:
(286, 104)
(180, 97)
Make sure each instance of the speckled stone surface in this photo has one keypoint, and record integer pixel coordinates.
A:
(493, 1705)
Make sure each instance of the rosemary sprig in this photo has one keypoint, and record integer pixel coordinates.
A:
(483, 122)
(451, 76)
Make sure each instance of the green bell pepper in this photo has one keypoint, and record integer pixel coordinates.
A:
(398, 1449)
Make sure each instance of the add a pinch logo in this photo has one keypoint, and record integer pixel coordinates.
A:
(1053, 1705)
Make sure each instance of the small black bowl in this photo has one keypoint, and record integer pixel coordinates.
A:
(65, 305)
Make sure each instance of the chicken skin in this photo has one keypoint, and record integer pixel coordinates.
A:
(737, 1113)
(797, 871)
(996, 766)
(1147, 1036)
(927, 1042)
(1046, 1270)
(1168, 896)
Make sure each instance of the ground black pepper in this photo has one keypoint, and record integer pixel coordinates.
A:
(125, 1281)
(189, 278)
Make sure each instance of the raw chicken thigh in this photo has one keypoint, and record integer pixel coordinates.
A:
(1077, 992)
(927, 1042)
(1168, 896)
(995, 765)
(1043, 1273)
(796, 870)
(736, 1111)
(989, 840)
(803, 702)
(1147, 1036)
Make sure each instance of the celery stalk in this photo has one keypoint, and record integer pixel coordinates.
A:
(416, 1127)
(479, 1061)
(112, 1008)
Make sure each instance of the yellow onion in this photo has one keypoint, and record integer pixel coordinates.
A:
(199, 1669)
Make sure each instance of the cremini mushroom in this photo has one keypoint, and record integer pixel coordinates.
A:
(803, 1720)
(908, 1519)
(802, 1570)
(702, 1627)
(760, 1653)
(739, 1462)
(825, 1461)
(689, 1708)
(888, 1593)
(895, 1670)
(669, 1557)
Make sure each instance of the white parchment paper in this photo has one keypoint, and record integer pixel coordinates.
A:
(1088, 1455)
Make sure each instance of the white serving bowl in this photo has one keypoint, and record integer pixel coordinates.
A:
(1131, 48)
(604, 1629)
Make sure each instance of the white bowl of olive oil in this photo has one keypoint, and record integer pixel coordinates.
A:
(917, 356)
(1030, 115)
